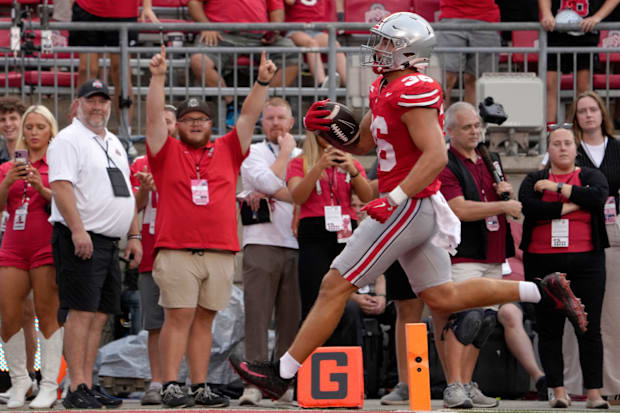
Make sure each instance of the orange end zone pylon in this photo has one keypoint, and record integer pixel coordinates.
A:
(417, 367)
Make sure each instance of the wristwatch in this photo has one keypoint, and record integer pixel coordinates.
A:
(560, 185)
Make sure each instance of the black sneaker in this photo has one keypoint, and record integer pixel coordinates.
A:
(104, 398)
(81, 398)
(173, 396)
(203, 396)
(555, 289)
(264, 375)
(541, 388)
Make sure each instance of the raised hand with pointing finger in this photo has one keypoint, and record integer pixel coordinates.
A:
(158, 65)
(266, 70)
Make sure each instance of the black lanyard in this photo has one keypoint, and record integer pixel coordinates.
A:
(197, 164)
(480, 172)
(105, 150)
(271, 149)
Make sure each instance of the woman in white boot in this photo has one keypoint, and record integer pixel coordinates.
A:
(26, 260)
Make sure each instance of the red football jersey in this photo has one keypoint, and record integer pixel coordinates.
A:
(395, 149)
(148, 216)
(306, 11)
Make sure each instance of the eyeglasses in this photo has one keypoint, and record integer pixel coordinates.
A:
(194, 120)
(555, 126)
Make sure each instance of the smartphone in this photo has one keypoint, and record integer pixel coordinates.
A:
(21, 155)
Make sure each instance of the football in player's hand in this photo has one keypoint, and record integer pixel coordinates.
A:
(344, 131)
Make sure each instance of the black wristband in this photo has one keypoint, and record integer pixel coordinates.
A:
(560, 185)
(260, 82)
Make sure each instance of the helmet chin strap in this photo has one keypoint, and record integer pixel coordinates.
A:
(419, 63)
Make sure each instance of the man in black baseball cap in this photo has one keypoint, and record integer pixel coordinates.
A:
(94, 87)
(194, 105)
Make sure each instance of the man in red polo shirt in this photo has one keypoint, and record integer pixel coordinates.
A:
(196, 225)
(473, 196)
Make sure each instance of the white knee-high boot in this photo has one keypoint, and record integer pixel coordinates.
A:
(51, 354)
(15, 351)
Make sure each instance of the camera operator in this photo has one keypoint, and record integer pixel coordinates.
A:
(469, 188)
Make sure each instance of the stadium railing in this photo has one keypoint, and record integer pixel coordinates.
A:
(52, 77)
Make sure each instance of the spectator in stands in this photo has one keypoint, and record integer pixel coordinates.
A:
(301, 11)
(92, 207)
(486, 242)
(564, 231)
(592, 13)
(270, 250)
(170, 116)
(321, 182)
(599, 149)
(107, 11)
(194, 267)
(205, 65)
(11, 111)
(469, 65)
(26, 259)
(152, 313)
(511, 11)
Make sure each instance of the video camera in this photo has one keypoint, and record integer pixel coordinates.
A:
(491, 112)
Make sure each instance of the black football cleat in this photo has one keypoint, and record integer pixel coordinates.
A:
(265, 375)
(555, 289)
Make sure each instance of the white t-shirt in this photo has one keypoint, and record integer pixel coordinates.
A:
(256, 175)
(79, 156)
(596, 153)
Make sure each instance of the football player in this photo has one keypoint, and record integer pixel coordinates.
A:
(411, 220)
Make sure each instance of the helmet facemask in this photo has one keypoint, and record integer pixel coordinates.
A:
(383, 53)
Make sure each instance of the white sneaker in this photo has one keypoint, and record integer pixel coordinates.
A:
(477, 397)
(455, 397)
(398, 396)
(251, 396)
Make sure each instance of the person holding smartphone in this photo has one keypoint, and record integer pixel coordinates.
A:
(322, 181)
(26, 260)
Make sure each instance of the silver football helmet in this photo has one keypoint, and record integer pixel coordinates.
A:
(398, 41)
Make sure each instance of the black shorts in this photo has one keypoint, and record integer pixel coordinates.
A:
(93, 38)
(556, 39)
(92, 285)
(397, 286)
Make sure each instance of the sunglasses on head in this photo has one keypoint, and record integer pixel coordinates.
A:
(555, 126)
